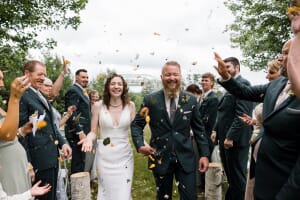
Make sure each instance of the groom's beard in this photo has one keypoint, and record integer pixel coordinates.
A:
(172, 92)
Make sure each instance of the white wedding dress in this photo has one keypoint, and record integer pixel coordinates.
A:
(114, 158)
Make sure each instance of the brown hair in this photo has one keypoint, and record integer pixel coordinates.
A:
(30, 65)
(106, 94)
(210, 76)
(234, 61)
(194, 88)
(173, 63)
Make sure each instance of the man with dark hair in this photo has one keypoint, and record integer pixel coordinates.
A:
(43, 143)
(234, 135)
(79, 123)
(173, 113)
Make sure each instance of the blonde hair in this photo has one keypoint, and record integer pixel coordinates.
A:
(275, 64)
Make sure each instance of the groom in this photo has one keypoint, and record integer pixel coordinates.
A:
(172, 114)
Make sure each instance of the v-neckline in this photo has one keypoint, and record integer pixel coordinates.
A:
(118, 121)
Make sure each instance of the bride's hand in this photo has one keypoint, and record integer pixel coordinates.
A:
(87, 144)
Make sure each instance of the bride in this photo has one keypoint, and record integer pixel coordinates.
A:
(114, 158)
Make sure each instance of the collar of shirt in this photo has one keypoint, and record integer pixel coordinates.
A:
(168, 101)
(206, 93)
(35, 90)
(79, 86)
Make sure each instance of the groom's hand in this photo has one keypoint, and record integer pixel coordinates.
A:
(203, 164)
(146, 150)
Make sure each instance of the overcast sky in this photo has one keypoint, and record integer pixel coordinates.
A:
(138, 36)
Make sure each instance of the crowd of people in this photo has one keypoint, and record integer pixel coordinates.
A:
(185, 126)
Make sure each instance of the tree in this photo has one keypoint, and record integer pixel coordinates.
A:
(260, 28)
(20, 21)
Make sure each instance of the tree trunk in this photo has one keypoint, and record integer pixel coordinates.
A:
(80, 186)
(213, 182)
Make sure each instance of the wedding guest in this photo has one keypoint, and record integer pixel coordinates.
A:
(278, 166)
(29, 194)
(42, 144)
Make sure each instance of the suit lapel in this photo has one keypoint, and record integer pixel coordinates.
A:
(80, 91)
(36, 96)
(269, 106)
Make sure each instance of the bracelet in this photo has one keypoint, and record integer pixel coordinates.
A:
(20, 133)
(67, 115)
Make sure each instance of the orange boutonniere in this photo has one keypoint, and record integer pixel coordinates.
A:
(41, 124)
(144, 112)
(185, 98)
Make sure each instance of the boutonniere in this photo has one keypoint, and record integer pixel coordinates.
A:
(85, 92)
(291, 93)
(185, 98)
(152, 100)
(144, 112)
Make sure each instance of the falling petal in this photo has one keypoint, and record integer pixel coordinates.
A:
(106, 141)
(155, 33)
(166, 196)
(176, 183)
(151, 166)
(194, 63)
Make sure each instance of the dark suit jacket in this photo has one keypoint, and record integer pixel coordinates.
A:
(208, 110)
(41, 149)
(81, 118)
(228, 124)
(166, 137)
(278, 160)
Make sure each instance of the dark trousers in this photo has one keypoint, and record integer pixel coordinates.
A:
(78, 157)
(47, 176)
(186, 182)
(234, 161)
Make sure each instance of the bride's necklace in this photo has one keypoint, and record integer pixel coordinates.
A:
(115, 106)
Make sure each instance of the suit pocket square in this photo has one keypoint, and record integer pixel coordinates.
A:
(187, 112)
(293, 111)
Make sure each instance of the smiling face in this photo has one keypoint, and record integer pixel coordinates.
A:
(82, 79)
(116, 87)
(37, 75)
(171, 78)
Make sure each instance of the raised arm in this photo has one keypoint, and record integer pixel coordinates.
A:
(60, 79)
(8, 130)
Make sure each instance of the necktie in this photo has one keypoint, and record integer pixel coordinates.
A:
(283, 95)
(43, 99)
(172, 109)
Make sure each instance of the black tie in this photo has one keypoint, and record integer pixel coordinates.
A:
(172, 109)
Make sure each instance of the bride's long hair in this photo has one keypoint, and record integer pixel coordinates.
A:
(106, 95)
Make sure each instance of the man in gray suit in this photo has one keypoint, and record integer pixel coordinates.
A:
(234, 135)
(277, 171)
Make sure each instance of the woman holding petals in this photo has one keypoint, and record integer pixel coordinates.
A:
(114, 158)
